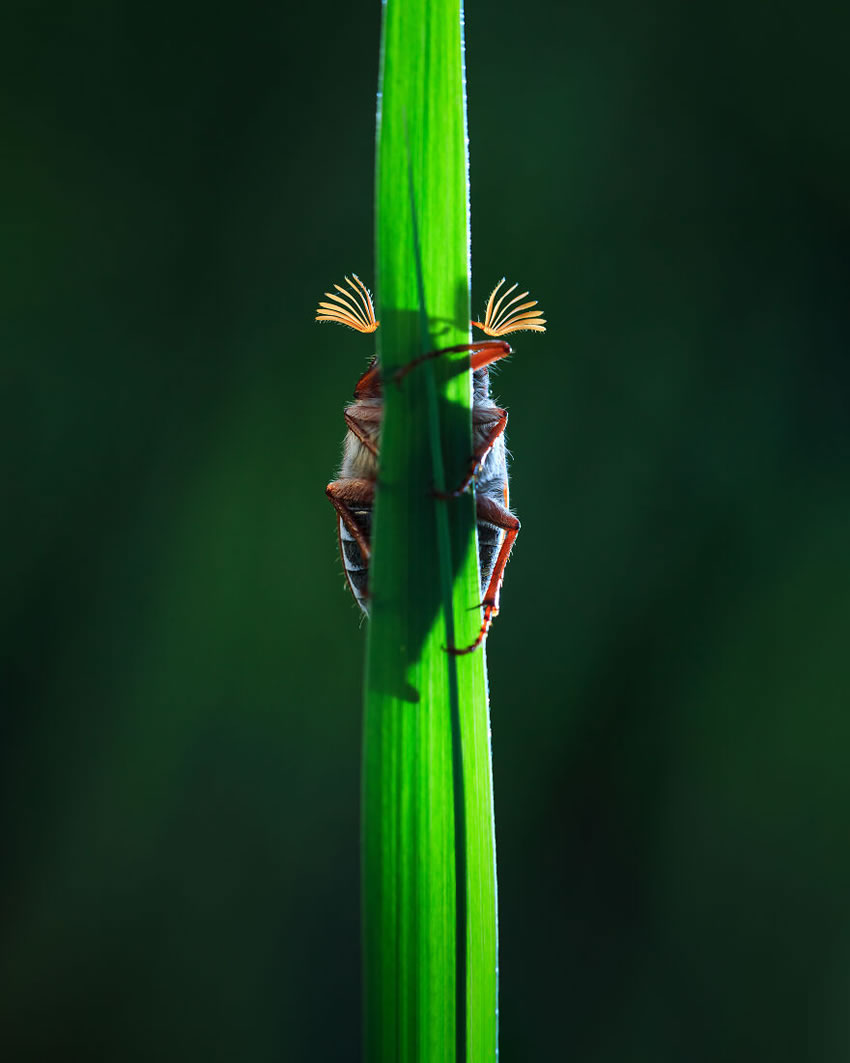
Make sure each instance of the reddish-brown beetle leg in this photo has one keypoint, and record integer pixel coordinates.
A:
(363, 421)
(485, 352)
(489, 353)
(492, 513)
(347, 493)
(480, 419)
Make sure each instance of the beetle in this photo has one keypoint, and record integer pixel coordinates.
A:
(353, 492)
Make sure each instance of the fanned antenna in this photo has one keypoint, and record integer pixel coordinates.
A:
(501, 318)
(356, 311)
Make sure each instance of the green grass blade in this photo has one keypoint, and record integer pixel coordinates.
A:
(425, 996)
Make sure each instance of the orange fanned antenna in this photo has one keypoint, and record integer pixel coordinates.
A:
(502, 318)
(355, 310)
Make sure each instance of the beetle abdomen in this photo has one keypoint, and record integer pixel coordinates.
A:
(489, 541)
(357, 568)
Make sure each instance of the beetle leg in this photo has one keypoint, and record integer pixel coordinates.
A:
(360, 419)
(489, 353)
(492, 513)
(343, 495)
(485, 352)
(482, 450)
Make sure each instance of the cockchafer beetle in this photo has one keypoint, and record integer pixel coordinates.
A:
(353, 492)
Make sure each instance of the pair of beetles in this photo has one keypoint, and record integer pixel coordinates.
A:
(353, 493)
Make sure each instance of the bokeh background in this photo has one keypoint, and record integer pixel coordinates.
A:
(182, 664)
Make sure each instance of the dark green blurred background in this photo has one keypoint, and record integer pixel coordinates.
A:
(670, 674)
